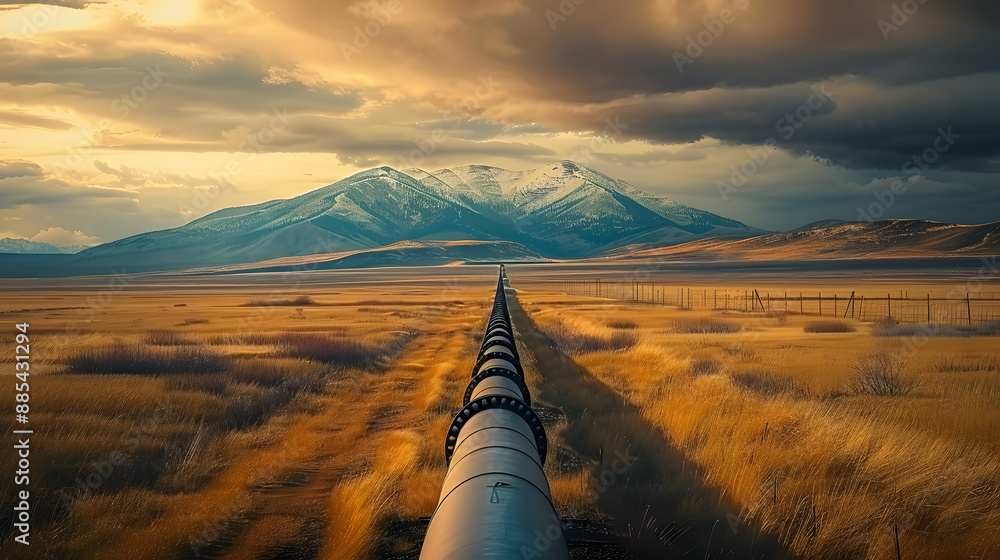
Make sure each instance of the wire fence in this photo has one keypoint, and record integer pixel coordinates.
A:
(963, 309)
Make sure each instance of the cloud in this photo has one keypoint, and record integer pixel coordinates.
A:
(414, 94)
(60, 236)
(19, 168)
(20, 190)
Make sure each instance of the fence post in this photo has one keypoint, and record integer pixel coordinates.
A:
(968, 306)
(819, 297)
(888, 301)
(895, 529)
(928, 308)
(801, 305)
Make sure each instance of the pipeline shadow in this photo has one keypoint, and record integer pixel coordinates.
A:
(658, 502)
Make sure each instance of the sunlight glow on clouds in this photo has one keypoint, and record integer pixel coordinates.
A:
(132, 106)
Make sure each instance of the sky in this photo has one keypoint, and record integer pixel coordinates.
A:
(126, 116)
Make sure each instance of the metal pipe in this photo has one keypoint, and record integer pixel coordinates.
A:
(495, 502)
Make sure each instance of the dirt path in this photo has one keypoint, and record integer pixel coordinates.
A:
(654, 495)
(273, 502)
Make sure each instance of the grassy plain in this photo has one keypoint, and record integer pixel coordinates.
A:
(240, 423)
(217, 420)
(765, 405)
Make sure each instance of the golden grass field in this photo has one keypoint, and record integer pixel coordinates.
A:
(255, 442)
(228, 422)
(764, 407)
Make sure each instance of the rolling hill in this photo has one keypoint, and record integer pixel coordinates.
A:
(833, 239)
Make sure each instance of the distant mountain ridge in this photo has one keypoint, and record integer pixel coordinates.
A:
(835, 239)
(561, 210)
(25, 246)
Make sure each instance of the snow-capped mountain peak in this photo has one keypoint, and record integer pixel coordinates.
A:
(561, 209)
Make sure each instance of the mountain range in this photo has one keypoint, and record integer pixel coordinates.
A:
(25, 246)
(562, 210)
(476, 213)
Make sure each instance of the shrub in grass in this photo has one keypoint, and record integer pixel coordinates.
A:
(892, 328)
(703, 367)
(168, 338)
(622, 324)
(705, 325)
(576, 342)
(965, 363)
(881, 373)
(138, 359)
(322, 348)
(301, 300)
(215, 383)
(762, 383)
(828, 327)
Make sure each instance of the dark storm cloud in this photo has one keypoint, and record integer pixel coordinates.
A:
(925, 65)
(861, 126)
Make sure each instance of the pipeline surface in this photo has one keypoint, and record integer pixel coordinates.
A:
(495, 502)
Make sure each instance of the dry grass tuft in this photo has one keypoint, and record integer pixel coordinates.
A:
(168, 338)
(892, 328)
(704, 367)
(623, 324)
(300, 300)
(322, 348)
(357, 507)
(828, 327)
(138, 359)
(968, 363)
(762, 383)
(704, 325)
(572, 340)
